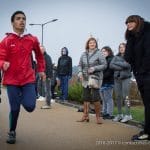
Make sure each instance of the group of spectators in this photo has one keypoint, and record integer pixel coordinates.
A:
(62, 72)
(115, 71)
(108, 71)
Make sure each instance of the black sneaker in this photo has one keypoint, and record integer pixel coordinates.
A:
(142, 136)
(105, 116)
(80, 109)
(109, 117)
(11, 137)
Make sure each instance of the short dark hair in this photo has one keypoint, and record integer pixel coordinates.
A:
(16, 13)
(109, 50)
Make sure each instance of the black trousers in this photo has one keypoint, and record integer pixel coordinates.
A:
(143, 82)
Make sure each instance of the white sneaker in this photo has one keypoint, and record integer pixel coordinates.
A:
(118, 118)
(52, 100)
(46, 107)
(41, 98)
(126, 118)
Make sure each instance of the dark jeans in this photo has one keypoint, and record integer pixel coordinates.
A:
(36, 85)
(20, 95)
(53, 90)
(64, 87)
(143, 82)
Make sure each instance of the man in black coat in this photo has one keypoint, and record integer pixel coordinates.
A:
(138, 55)
(47, 84)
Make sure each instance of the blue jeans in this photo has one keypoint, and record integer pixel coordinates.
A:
(20, 95)
(64, 87)
(107, 98)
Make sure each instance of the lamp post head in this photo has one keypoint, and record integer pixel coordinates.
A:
(32, 24)
(42, 26)
(54, 20)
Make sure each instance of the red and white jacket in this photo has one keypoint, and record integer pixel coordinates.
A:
(17, 50)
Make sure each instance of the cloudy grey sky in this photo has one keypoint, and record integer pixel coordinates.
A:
(77, 20)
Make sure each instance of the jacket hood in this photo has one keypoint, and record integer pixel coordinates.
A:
(15, 34)
(64, 51)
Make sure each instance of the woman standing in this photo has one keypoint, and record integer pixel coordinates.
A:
(91, 62)
(138, 55)
(106, 91)
(122, 75)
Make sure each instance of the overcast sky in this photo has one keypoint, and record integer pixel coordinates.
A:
(77, 20)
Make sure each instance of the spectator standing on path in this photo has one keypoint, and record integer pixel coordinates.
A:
(18, 75)
(138, 55)
(91, 62)
(47, 82)
(122, 75)
(34, 66)
(64, 72)
(106, 90)
(53, 81)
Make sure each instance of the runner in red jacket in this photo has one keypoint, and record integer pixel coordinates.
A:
(17, 51)
(18, 74)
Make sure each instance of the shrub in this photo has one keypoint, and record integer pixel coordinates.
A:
(75, 92)
(134, 92)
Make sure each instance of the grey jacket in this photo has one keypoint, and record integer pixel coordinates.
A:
(122, 69)
(96, 60)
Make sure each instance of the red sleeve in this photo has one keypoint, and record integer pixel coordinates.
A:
(39, 56)
(3, 52)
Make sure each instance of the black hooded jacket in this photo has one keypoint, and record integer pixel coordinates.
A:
(64, 65)
(138, 50)
(108, 73)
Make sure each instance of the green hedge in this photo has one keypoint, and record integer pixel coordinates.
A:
(75, 92)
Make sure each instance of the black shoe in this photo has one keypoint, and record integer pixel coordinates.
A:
(92, 110)
(80, 109)
(107, 116)
(57, 100)
(11, 137)
(142, 136)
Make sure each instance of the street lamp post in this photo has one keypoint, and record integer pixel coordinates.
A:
(42, 26)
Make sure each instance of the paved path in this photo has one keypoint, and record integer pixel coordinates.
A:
(57, 129)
